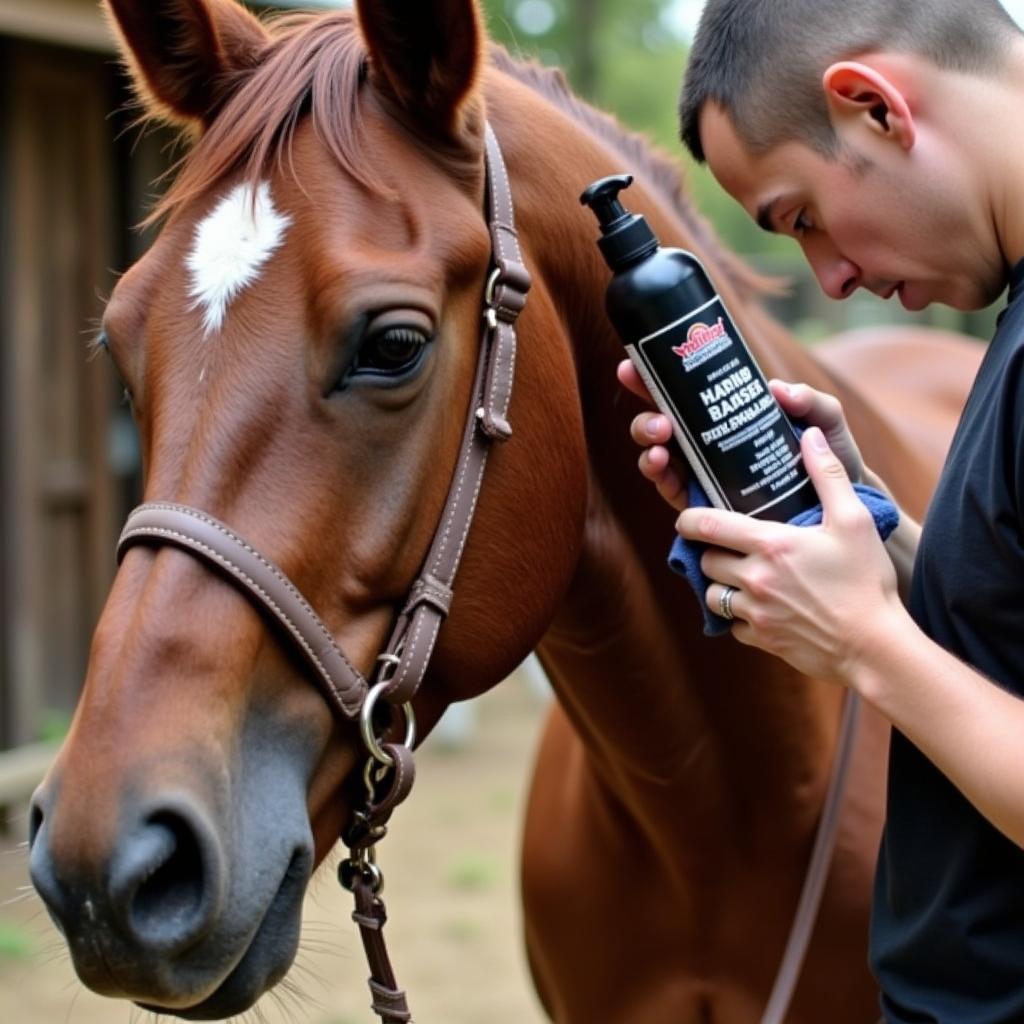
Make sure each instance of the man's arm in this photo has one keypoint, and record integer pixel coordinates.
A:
(966, 725)
(825, 599)
(903, 541)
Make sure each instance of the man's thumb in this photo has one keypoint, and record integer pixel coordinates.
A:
(826, 471)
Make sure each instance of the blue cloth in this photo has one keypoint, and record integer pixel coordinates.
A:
(685, 555)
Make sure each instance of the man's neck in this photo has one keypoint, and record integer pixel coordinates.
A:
(990, 123)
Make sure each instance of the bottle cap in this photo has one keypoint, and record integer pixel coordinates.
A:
(625, 237)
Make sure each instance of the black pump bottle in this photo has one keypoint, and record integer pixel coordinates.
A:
(699, 371)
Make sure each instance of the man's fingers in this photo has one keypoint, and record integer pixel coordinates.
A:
(630, 380)
(722, 566)
(732, 607)
(723, 529)
(795, 399)
(816, 408)
(656, 466)
(651, 428)
(828, 476)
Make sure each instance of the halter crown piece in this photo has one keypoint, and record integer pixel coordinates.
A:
(390, 769)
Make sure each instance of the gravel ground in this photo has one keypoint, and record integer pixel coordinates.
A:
(452, 880)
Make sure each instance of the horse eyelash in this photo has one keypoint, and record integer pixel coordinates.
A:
(96, 344)
(101, 343)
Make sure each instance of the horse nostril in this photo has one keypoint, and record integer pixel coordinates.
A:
(175, 888)
(35, 821)
(42, 870)
(166, 883)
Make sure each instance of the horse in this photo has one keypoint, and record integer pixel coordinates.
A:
(299, 348)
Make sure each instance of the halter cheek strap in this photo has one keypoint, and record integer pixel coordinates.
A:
(390, 770)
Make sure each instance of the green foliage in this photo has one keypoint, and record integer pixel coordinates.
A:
(53, 726)
(14, 943)
(634, 70)
(473, 872)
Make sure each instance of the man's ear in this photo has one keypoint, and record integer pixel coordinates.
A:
(184, 55)
(858, 94)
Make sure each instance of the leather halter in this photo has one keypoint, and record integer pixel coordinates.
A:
(401, 667)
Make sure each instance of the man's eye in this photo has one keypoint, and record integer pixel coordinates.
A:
(801, 223)
(391, 353)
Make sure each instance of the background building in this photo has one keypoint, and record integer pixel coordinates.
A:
(74, 180)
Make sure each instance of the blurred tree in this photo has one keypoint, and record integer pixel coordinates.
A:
(625, 57)
(578, 35)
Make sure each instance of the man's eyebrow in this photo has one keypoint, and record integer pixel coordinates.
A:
(764, 216)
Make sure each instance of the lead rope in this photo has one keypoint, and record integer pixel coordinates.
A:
(817, 870)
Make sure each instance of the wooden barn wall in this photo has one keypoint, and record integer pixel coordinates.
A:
(67, 468)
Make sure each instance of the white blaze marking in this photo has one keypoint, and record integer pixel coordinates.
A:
(231, 246)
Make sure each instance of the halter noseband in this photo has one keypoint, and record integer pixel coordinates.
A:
(390, 769)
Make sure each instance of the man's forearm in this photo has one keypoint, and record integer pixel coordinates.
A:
(902, 544)
(969, 727)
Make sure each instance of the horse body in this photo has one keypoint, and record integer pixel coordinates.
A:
(679, 781)
(685, 776)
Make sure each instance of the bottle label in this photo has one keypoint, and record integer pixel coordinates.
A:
(729, 424)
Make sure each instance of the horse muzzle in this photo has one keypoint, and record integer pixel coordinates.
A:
(174, 910)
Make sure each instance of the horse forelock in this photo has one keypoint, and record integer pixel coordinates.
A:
(314, 64)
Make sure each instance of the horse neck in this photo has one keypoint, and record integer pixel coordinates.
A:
(650, 696)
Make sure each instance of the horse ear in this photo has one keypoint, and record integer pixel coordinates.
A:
(426, 54)
(183, 54)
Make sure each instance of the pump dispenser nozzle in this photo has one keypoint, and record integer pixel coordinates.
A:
(626, 237)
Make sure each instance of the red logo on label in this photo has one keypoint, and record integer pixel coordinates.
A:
(699, 336)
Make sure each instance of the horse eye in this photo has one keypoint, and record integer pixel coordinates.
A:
(392, 353)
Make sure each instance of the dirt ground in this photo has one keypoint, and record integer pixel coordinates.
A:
(452, 893)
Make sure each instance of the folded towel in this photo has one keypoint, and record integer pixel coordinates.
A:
(685, 555)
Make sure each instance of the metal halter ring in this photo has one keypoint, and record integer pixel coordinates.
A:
(490, 310)
(366, 725)
(492, 286)
(725, 603)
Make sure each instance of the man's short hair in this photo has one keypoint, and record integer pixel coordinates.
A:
(762, 61)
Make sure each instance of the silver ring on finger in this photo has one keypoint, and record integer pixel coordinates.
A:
(725, 603)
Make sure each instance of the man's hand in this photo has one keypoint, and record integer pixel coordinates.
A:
(811, 595)
(652, 431)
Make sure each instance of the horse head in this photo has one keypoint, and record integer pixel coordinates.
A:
(299, 345)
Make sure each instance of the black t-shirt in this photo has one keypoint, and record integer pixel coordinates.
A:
(947, 934)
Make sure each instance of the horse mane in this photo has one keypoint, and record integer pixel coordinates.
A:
(645, 158)
(316, 63)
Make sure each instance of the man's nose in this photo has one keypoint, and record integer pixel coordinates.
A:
(837, 276)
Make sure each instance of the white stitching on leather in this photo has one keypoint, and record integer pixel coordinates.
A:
(506, 184)
(236, 570)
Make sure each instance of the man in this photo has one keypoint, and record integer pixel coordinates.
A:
(883, 136)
